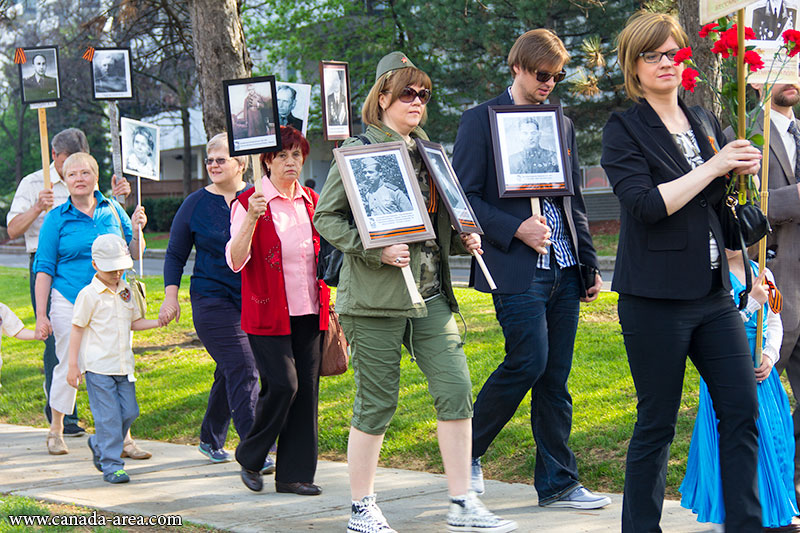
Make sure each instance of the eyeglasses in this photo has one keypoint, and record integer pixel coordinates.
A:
(219, 161)
(656, 57)
(407, 95)
(544, 77)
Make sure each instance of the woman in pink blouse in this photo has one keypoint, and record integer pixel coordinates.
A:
(284, 310)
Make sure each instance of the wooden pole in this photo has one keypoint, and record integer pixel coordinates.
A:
(116, 150)
(257, 172)
(741, 112)
(762, 244)
(416, 298)
(536, 206)
(139, 229)
(45, 144)
(485, 270)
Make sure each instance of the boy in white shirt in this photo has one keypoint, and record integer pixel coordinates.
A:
(13, 327)
(104, 315)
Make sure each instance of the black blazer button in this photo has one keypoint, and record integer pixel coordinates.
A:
(703, 202)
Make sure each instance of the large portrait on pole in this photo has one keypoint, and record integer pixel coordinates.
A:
(384, 195)
(529, 150)
(451, 193)
(293, 104)
(141, 154)
(111, 74)
(335, 91)
(251, 110)
(769, 19)
(39, 76)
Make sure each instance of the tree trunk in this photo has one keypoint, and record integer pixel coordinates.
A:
(689, 14)
(188, 161)
(220, 53)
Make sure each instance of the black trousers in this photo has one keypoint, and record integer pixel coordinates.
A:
(659, 334)
(287, 402)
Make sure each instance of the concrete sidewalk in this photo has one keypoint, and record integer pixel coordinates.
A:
(178, 480)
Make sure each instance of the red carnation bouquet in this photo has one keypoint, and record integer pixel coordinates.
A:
(724, 35)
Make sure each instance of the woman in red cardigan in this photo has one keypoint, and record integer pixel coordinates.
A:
(284, 311)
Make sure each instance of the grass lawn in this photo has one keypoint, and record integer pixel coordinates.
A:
(73, 514)
(157, 240)
(175, 374)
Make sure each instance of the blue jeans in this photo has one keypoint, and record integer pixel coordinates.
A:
(49, 357)
(539, 326)
(114, 408)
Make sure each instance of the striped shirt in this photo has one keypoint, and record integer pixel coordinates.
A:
(559, 237)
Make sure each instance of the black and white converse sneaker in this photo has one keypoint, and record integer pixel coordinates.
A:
(469, 515)
(366, 517)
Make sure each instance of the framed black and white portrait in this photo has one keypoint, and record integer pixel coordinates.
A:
(111, 74)
(293, 103)
(251, 110)
(384, 195)
(769, 19)
(461, 214)
(39, 75)
(140, 148)
(529, 150)
(335, 91)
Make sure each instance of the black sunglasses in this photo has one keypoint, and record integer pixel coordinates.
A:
(544, 77)
(407, 95)
(219, 161)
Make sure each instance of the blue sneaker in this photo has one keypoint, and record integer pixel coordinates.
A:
(95, 455)
(476, 477)
(216, 456)
(120, 476)
(269, 466)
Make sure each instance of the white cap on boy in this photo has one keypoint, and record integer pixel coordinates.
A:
(110, 252)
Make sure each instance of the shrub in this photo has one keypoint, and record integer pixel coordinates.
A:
(160, 212)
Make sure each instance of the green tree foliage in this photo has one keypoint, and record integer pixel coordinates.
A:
(462, 45)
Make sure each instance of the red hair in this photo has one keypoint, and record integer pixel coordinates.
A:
(290, 138)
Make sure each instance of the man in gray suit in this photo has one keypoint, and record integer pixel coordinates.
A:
(784, 214)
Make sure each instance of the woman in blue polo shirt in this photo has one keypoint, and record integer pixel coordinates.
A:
(63, 266)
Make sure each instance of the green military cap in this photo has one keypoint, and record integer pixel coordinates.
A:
(392, 61)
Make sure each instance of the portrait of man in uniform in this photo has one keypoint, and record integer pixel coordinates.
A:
(40, 76)
(533, 158)
(379, 195)
(773, 18)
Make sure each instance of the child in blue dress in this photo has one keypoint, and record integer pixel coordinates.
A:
(702, 487)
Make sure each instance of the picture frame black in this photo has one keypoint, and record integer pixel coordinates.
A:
(452, 195)
(38, 88)
(251, 111)
(334, 79)
(524, 169)
(385, 198)
(112, 81)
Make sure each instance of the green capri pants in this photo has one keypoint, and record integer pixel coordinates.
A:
(436, 344)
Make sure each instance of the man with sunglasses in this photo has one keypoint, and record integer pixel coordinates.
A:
(536, 262)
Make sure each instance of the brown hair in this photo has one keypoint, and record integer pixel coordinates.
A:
(537, 49)
(644, 32)
(393, 82)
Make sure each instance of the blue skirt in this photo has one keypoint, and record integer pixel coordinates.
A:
(701, 489)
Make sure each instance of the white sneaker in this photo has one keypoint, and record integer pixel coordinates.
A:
(580, 498)
(470, 514)
(366, 517)
(718, 528)
(476, 477)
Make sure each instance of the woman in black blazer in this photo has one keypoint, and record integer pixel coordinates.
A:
(667, 164)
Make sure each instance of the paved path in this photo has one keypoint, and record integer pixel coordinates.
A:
(178, 480)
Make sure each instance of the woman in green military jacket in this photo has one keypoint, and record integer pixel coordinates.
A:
(378, 316)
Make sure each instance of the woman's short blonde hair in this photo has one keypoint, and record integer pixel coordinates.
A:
(81, 157)
(393, 82)
(644, 32)
(220, 141)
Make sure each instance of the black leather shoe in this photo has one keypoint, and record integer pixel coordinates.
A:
(252, 480)
(304, 489)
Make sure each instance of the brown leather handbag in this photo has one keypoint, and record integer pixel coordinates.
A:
(334, 348)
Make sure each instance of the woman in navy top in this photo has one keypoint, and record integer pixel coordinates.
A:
(203, 221)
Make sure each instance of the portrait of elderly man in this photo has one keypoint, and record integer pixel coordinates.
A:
(109, 76)
(336, 97)
(380, 196)
(772, 19)
(533, 158)
(287, 99)
(256, 111)
(39, 86)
